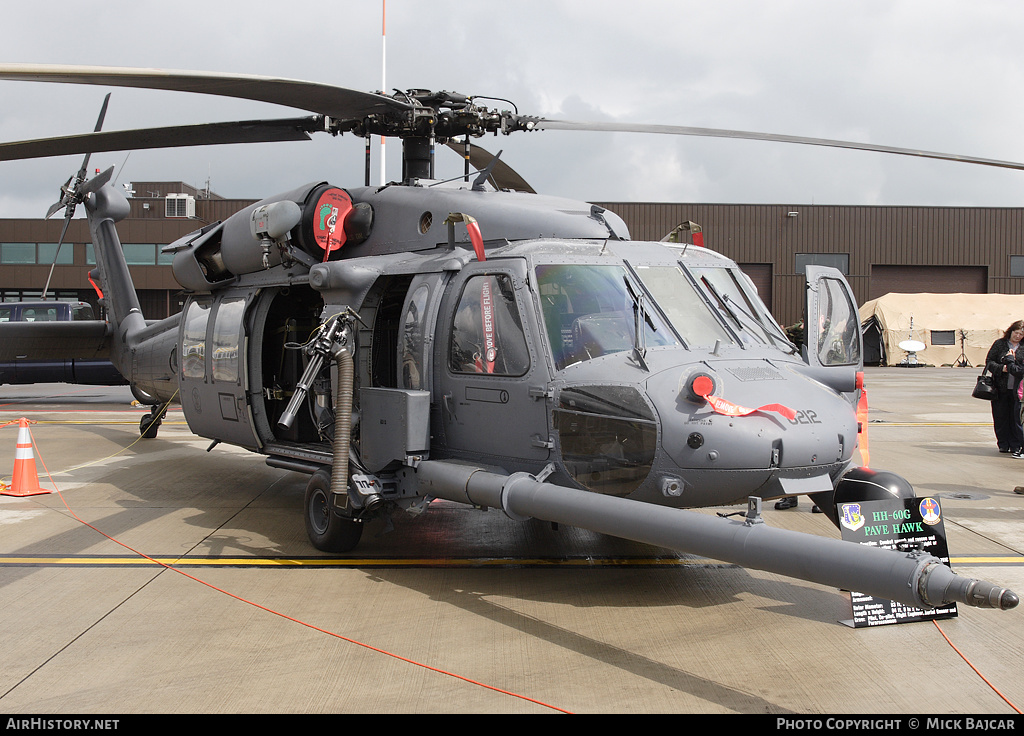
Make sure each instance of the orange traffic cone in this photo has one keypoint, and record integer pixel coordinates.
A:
(26, 479)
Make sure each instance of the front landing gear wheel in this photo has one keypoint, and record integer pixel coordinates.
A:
(328, 531)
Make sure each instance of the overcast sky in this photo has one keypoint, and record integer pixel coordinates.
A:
(929, 74)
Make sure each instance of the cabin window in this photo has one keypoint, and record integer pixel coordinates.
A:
(193, 341)
(487, 332)
(227, 329)
(412, 339)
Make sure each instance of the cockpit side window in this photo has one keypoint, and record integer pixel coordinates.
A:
(487, 333)
(838, 323)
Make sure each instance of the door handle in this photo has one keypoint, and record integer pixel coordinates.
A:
(449, 406)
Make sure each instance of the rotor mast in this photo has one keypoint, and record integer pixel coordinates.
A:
(383, 86)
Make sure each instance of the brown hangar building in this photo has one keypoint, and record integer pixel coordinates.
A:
(161, 212)
(879, 249)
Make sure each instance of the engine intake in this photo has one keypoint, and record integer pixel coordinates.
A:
(320, 220)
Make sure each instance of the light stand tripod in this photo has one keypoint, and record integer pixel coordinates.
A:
(962, 361)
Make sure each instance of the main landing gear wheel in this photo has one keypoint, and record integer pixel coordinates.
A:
(150, 423)
(327, 530)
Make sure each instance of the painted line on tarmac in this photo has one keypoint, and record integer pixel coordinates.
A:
(399, 562)
(102, 421)
(63, 411)
(928, 424)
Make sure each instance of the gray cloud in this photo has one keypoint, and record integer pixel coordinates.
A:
(925, 74)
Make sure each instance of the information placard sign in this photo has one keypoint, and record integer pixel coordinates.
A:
(905, 523)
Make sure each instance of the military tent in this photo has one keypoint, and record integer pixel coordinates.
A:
(940, 321)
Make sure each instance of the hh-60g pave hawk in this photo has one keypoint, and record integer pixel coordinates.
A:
(373, 339)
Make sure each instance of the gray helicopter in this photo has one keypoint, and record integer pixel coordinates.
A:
(474, 341)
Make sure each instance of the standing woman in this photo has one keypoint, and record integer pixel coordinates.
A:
(1006, 363)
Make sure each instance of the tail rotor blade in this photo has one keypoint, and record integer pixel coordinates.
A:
(63, 201)
(96, 182)
(56, 255)
(70, 192)
(54, 207)
(99, 126)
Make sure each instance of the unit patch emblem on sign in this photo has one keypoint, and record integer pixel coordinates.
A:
(851, 517)
(929, 511)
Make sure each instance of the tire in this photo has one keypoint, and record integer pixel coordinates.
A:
(148, 427)
(327, 531)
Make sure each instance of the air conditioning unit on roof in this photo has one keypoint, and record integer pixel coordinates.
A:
(180, 205)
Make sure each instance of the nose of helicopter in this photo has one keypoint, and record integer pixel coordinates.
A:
(730, 429)
(705, 434)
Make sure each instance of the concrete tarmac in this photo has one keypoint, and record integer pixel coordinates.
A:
(458, 610)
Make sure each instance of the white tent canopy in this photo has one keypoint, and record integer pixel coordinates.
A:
(939, 321)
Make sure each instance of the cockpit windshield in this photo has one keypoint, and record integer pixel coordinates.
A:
(589, 311)
(684, 308)
(592, 310)
(741, 310)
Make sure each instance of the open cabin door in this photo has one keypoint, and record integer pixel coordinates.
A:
(834, 349)
(214, 382)
(419, 317)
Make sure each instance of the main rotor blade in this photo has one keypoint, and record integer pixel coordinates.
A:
(56, 253)
(503, 175)
(546, 124)
(249, 131)
(337, 102)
